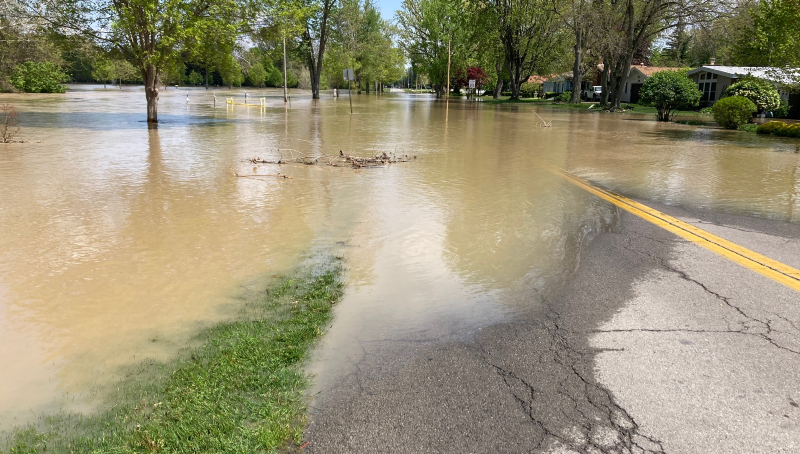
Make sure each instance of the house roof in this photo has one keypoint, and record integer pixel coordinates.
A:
(762, 72)
(537, 79)
(649, 70)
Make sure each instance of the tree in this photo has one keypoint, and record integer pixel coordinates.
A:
(148, 33)
(626, 28)
(231, 71)
(104, 71)
(531, 35)
(44, 77)
(195, 78)
(576, 16)
(257, 75)
(773, 38)
(315, 38)
(669, 91)
(430, 32)
(761, 92)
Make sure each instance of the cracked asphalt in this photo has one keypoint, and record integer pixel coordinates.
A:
(654, 345)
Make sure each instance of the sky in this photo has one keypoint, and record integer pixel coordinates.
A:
(388, 7)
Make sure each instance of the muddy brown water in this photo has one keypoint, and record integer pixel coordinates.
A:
(118, 242)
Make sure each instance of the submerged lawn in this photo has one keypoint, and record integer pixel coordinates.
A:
(241, 391)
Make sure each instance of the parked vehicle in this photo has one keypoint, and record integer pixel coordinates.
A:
(592, 94)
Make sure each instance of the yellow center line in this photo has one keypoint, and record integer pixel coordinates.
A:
(761, 264)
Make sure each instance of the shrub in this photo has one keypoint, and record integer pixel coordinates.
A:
(195, 78)
(33, 77)
(669, 91)
(706, 111)
(564, 97)
(527, 90)
(762, 93)
(783, 110)
(550, 94)
(770, 127)
(257, 75)
(733, 112)
(748, 127)
(781, 129)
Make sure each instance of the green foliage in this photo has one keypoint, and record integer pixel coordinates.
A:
(669, 91)
(564, 97)
(274, 77)
(783, 110)
(732, 112)
(104, 70)
(748, 127)
(256, 75)
(706, 111)
(195, 78)
(779, 128)
(231, 72)
(240, 391)
(763, 94)
(528, 89)
(44, 77)
(772, 39)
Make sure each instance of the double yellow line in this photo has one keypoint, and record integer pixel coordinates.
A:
(772, 269)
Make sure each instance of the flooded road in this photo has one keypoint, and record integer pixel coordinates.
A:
(118, 242)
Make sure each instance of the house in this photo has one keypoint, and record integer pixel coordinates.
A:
(712, 81)
(558, 83)
(638, 75)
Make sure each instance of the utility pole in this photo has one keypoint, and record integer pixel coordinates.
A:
(285, 93)
(447, 95)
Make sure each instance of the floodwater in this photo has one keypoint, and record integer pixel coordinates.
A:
(117, 242)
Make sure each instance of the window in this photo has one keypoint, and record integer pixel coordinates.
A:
(703, 76)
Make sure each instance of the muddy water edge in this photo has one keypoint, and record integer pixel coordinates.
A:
(118, 242)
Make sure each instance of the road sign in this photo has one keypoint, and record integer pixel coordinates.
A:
(347, 74)
(472, 83)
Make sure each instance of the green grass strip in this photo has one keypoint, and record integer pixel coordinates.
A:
(240, 391)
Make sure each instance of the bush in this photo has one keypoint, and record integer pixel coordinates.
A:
(550, 94)
(783, 110)
(528, 90)
(669, 91)
(770, 127)
(762, 93)
(733, 112)
(44, 77)
(748, 127)
(781, 129)
(564, 97)
(706, 111)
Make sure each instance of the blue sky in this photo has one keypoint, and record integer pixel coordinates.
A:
(388, 7)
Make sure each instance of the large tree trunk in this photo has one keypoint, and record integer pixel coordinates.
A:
(604, 82)
(151, 82)
(315, 61)
(576, 66)
(623, 67)
(516, 80)
(498, 88)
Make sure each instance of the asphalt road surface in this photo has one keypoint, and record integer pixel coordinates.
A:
(655, 345)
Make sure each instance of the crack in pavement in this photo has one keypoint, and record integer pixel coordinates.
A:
(561, 397)
(751, 324)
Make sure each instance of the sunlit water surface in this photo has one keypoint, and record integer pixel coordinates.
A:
(118, 242)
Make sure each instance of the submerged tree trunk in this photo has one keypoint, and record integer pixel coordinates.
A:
(151, 82)
(315, 58)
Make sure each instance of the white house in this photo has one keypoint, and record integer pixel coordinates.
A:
(558, 83)
(712, 80)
